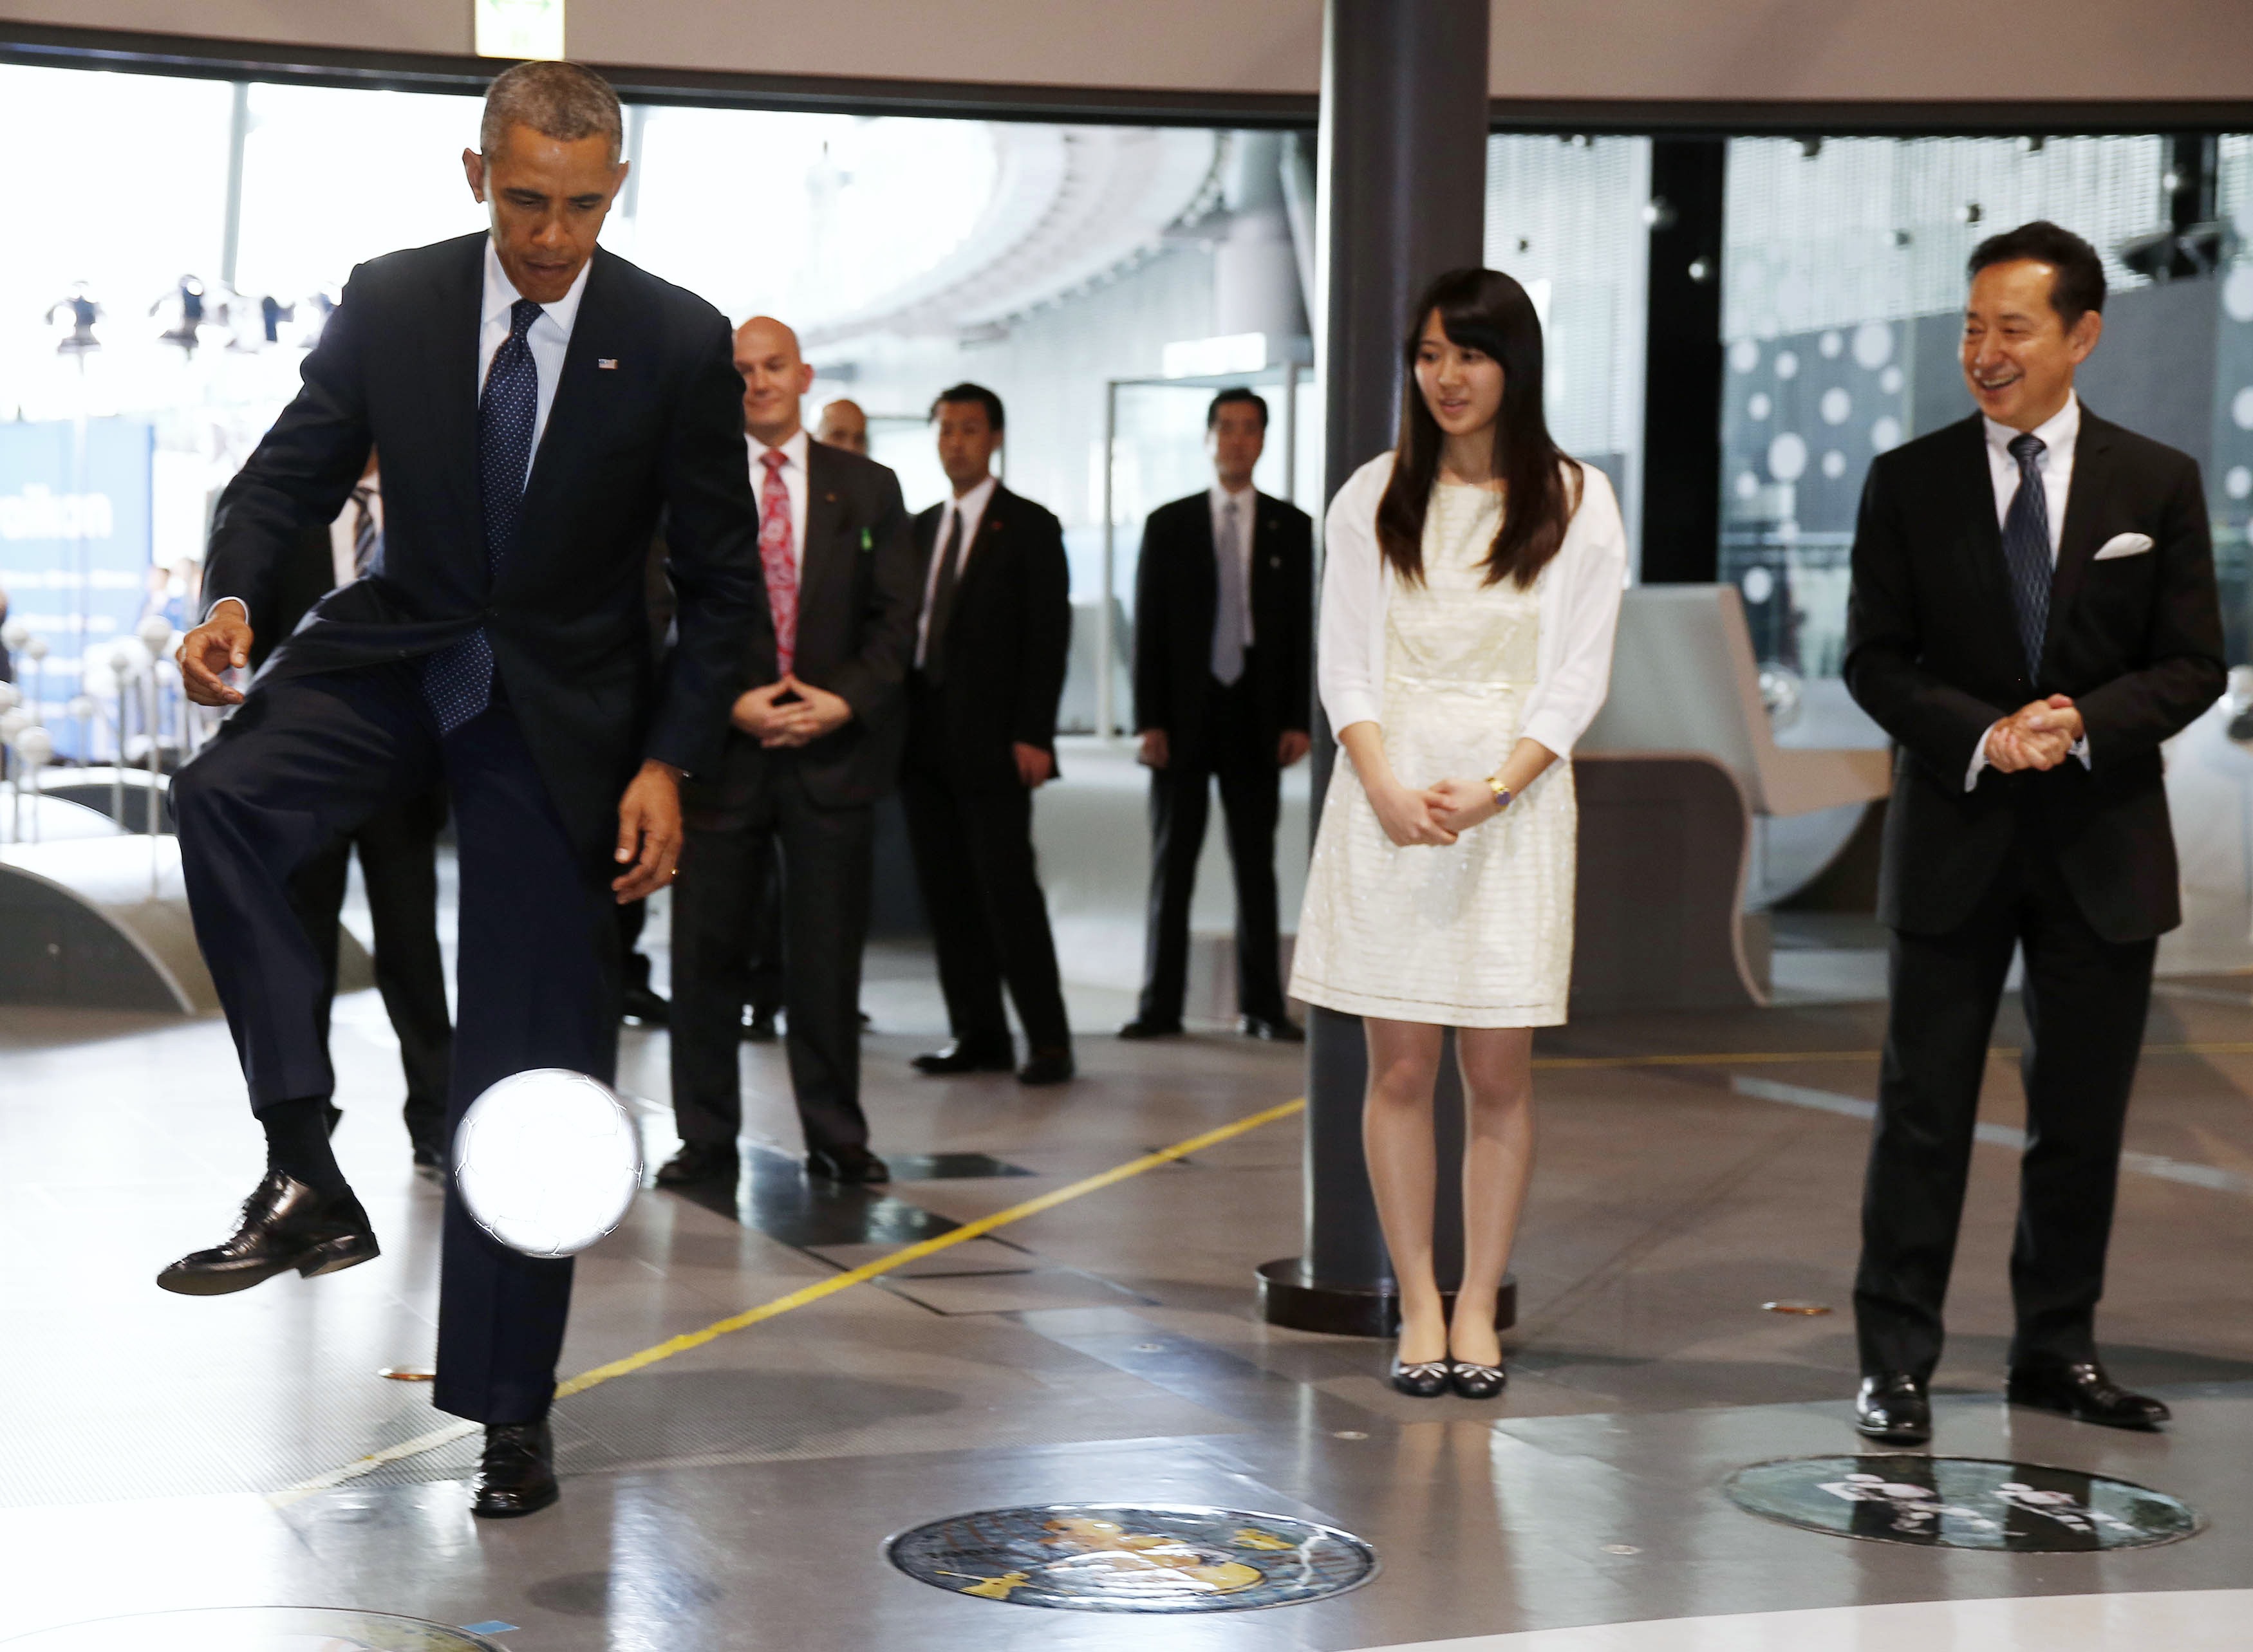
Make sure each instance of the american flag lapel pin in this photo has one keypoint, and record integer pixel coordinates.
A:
(607, 364)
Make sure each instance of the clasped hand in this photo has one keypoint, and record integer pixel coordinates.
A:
(2041, 735)
(773, 720)
(1437, 814)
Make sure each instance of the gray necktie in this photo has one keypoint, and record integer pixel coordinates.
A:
(1228, 616)
(2025, 550)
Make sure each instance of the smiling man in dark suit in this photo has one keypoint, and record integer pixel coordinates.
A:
(989, 668)
(538, 402)
(808, 757)
(1223, 643)
(2034, 611)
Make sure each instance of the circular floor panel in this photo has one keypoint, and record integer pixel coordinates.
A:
(257, 1629)
(1960, 1502)
(1126, 1557)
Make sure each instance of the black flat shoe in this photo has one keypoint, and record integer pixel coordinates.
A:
(1047, 1067)
(958, 1057)
(1427, 1379)
(1479, 1381)
(1150, 1026)
(517, 1474)
(643, 1006)
(759, 1027)
(700, 1163)
(1892, 1408)
(1279, 1029)
(284, 1225)
(2083, 1392)
(851, 1166)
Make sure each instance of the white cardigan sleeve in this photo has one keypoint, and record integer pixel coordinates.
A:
(1347, 669)
(1592, 564)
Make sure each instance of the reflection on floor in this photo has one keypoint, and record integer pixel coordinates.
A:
(738, 1494)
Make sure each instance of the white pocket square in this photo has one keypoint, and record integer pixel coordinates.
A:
(2124, 544)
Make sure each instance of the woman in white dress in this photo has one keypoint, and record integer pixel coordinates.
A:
(1470, 590)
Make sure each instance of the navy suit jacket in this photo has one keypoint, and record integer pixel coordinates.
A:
(647, 418)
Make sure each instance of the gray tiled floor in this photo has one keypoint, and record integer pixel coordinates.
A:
(737, 1496)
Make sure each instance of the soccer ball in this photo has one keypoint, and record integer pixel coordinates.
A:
(547, 1161)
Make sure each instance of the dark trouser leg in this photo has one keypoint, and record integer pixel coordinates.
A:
(999, 823)
(826, 873)
(633, 917)
(302, 763)
(1944, 990)
(2086, 997)
(714, 897)
(399, 859)
(1251, 799)
(538, 988)
(317, 890)
(1179, 799)
(765, 982)
(969, 962)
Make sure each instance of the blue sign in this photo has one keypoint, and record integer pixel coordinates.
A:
(75, 544)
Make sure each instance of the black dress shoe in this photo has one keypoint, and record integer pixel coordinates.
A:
(851, 1166)
(1047, 1067)
(517, 1474)
(1150, 1026)
(698, 1163)
(643, 1005)
(285, 1224)
(1892, 1408)
(1427, 1379)
(2083, 1392)
(759, 1027)
(1279, 1029)
(429, 1154)
(1478, 1382)
(958, 1057)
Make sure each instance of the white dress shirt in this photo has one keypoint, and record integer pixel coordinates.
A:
(793, 481)
(1580, 592)
(549, 337)
(1247, 505)
(2058, 434)
(971, 508)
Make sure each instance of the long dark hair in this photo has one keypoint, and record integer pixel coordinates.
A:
(1485, 310)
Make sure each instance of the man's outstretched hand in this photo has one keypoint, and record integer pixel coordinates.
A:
(220, 643)
(649, 831)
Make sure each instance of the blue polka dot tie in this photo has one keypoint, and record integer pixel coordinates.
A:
(2025, 550)
(457, 682)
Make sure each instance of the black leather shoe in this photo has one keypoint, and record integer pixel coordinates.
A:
(1478, 1382)
(517, 1474)
(429, 1154)
(643, 1005)
(1150, 1026)
(1279, 1029)
(759, 1027)
(700, 1163)
(851, 1166)
(2083, 1392)
(958, 1057)
(1428, 1379)
(1047, 1067)
(1892, 1409)
(285, 1224)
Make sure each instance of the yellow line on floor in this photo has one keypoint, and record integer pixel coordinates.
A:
(1782, 1058)
(781, 1304)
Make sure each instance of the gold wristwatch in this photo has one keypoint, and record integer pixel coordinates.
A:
(1502, 793)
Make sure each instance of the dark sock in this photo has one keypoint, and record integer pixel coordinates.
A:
(297, 1143)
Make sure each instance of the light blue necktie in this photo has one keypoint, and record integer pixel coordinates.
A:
(1228, 620)
(457, 682)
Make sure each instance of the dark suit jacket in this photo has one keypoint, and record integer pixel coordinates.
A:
(858, 597)
(647, 415)
(1009, 638)
(1176, 590)
(1933, 655)
(305, 572)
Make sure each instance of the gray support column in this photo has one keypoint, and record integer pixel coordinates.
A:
(1400, 197)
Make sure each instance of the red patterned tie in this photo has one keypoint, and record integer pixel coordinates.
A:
(774, 552)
